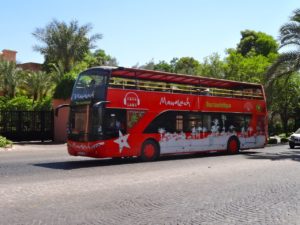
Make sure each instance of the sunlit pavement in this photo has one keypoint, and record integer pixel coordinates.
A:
(42, 184)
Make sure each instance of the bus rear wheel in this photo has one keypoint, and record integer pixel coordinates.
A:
(233, 145)
(150, 151)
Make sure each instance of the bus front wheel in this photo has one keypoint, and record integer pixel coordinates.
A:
(233, 145)
(150, 151)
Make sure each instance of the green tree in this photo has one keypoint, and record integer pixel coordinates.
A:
(163, 66)
(65, 43)
(213, 66)
(257, 43)
(147, 66)
(249, 69)
(57, 71)
(285, 100)
(10, 77)
(187, 65)
(160, 66)
(289, 61)
(254, 54)
(100, 58)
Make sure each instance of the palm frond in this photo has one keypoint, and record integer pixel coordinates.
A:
(289, 33)
(285, 64)
(296, 16)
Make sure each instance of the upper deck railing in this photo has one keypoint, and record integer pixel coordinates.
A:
(149, 80)
(125, 83)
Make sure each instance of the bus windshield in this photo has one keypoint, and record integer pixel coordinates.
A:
(89, 86)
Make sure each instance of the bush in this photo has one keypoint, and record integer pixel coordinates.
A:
(19, 103)
(44, 104)
(64, 88)
(272, 141)
(4, 142)
(284, 140)
(3, 102)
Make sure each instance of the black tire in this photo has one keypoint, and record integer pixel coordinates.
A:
(149, 151)
(292, 145)
(233, 145)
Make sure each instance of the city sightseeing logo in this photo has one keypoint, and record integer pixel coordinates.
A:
(131, 99)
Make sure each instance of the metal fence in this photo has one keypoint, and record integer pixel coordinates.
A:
(27, 125)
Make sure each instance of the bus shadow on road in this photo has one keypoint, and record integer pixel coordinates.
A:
(71, 165)
(87, 163)
(293, 155)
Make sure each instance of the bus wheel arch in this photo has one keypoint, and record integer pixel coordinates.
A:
(150, 150)
(233, 145)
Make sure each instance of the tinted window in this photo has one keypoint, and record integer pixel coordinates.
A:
(236, 122)
(193, 121)
(114, 120)
(167, 120)
(204, 122)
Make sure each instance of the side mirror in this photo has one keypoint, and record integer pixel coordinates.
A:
(59, 107)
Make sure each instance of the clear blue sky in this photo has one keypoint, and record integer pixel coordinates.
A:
(136, 31)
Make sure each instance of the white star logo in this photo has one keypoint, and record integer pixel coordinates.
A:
(122, 141)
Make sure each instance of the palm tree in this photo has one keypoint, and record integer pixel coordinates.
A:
(57, 72)
(65, 43)
(10, 78)
(37, 84)
(287, 62)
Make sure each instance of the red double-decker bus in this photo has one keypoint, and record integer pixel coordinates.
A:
(125, 112)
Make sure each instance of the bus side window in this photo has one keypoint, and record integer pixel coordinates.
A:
(166, 121)
(114, 120)
(206, 123)
(260, 126)
(193, 122)
(179, 123)
(216, 123)
(133, 116)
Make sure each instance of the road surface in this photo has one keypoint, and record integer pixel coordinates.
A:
(42, 184)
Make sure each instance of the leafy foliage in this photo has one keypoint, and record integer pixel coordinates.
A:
(24, 103)
(65, 43)
(4, 142)
(63, 89)
(10, 77)
(213, 66)
(187, 65)
(164, 66)
(286, 99)
(251, 69)
(43, 104)
(256, 43)
(37, 84)
(19, 103)
(100, 58)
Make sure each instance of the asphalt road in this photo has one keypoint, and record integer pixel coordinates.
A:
(42, 184)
